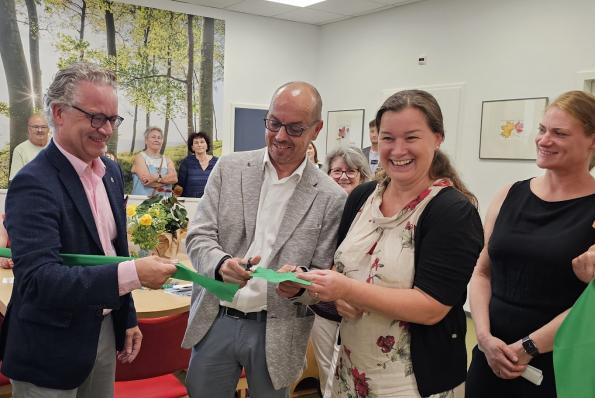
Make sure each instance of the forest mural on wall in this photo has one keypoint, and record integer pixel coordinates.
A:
(169, 67)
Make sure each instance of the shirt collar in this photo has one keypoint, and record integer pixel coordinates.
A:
(267, 164)
(81, 167)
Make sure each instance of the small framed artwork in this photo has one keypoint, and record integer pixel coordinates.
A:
(509, 127)
(344, 128)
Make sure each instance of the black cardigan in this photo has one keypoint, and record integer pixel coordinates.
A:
(448, 239)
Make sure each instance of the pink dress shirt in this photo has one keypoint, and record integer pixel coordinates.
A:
(91, 175)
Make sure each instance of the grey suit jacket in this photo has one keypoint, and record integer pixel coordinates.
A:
(224, 224)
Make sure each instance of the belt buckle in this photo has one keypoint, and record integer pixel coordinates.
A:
(230, 315)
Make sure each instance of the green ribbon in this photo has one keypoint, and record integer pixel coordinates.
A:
(278, 277)
(224, 291)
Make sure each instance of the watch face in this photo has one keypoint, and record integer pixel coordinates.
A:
(529, 347)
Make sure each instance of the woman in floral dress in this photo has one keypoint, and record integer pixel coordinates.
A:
(410, 244)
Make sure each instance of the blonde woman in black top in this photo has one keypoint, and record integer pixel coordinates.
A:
(523, 284)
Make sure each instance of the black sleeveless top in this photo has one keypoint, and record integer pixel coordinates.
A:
(531, 251)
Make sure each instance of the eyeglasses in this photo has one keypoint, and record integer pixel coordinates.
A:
(292, 129)
(338, 173)
(98, 120)
(38, 127)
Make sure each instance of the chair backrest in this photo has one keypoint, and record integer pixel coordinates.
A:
(160, 352)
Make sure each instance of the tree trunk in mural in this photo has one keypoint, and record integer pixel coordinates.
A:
(82, 29)
(205, 86)
(17, 73)
(168, 106)
(134, 129)
(189, 75)
(110, 30)
(34, 52)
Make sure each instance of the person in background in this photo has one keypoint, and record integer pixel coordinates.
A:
(38, 136)
(410, 243)
(195, 169)
(153, 173)
(6, 263)
(110, 156)
(371, 152)
(348, 167)
(66, 325)
(312, 154)
(274, 208)
(523, 284)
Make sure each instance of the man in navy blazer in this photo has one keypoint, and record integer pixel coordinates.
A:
(64, 324)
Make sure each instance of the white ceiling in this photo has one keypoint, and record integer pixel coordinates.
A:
(318, 14)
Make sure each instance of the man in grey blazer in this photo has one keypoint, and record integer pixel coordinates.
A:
(273, 208)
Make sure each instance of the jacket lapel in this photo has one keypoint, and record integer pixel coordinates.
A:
(74, 189)
(298, 205)
(252, 177)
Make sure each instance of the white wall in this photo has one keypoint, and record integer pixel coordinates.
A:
(499, 48)
(260, 54)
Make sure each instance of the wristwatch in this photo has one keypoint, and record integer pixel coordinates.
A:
(529, 346)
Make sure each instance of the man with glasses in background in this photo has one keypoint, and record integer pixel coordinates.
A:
(64, 324)
(38, 134)
(271, 208)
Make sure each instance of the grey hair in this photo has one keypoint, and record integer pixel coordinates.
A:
(353, 158)
(151, 128)
(317, 111)
(62, 89)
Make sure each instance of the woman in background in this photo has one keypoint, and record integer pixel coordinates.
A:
(349, 168)
(197, 166)
(312, 154)
(523, 284)
(153, 173)
(409, 248)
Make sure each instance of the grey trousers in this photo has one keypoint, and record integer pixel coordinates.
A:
(217, 360)
(99, 383)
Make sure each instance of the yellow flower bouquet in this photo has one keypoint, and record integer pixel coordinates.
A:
(153, 220)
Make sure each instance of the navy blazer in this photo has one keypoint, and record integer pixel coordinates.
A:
(50, 334)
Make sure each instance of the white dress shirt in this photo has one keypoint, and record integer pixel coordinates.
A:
(274, 195)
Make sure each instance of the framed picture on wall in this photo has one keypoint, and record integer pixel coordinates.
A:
(344, 128)
(509, 127)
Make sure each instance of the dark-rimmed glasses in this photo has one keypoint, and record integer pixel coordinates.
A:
(338, 173)
(292, 129)
(98, 120)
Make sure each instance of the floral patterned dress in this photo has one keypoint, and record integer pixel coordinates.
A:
(375, 359)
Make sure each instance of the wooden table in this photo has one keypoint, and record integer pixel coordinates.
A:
(148, 303)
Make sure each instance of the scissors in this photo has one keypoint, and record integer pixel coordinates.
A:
(248, 264)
